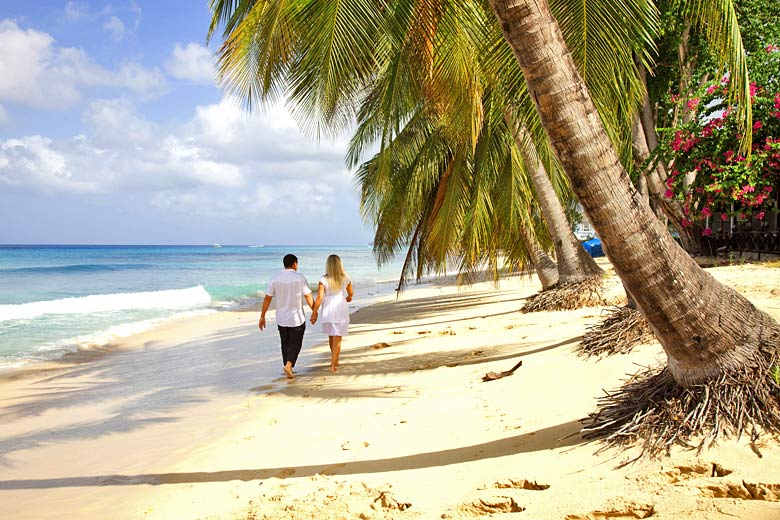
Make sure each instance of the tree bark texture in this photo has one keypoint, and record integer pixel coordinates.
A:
(704, 327)
(574, 263)
(544, 266)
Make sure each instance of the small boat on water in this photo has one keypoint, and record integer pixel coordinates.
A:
(216, 245)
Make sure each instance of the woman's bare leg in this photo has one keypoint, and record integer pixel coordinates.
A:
(335, 350)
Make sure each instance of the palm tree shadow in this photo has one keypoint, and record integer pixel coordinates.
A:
(554, 437)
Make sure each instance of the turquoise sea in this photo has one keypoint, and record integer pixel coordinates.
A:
(55, 299)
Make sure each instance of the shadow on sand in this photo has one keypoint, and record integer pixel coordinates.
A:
(559, 436)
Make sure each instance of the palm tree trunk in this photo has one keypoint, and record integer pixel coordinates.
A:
(574, 263)
(705, 328)
(544, 266)
(645, 140)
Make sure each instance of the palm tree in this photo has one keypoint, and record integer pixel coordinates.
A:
(708, 331)
(264, 49)
(328, 54)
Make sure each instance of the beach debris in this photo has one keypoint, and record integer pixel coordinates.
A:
(421, 332)
(492, 376)
(618, 333)
(380, 345)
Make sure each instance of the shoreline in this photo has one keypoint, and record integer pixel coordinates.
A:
(200, 423)
(78, 353)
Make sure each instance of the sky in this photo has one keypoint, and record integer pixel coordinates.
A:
(113, 130)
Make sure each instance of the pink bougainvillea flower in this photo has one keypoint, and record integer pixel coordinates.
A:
(711, 89)
(724, 217)
(668, 194)
(706, 211)
(760, 215)
(753, 89)
(692, 103)
(706, 232)
(758, 124)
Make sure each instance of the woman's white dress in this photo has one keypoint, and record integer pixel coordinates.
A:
(334, 314)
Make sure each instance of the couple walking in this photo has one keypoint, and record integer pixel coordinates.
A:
(290, 288)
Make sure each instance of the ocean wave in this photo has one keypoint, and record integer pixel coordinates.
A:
(170, 299)
(56, 349)
(76, 268)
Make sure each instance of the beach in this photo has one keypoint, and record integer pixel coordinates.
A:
(195, 420)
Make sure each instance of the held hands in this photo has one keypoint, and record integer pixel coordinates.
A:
(313, 317)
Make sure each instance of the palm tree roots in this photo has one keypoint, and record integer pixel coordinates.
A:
(618, 333)
(565, 297)
(652, 410)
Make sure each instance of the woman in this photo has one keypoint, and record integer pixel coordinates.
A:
(331, 297)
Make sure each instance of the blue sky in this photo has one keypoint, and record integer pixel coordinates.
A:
(114, 131)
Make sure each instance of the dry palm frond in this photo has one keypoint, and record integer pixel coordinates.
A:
(618, 333)
(654, 410)
(564, 297)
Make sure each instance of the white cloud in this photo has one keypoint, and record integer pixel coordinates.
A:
(33, 162)
(192, 62)
(115, 28)
(35, 72)
(74, 11)
(137, 13)
(139, 79)
(221, 162)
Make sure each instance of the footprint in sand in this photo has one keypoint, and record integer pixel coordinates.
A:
(680, 473)
(621, 510)
(488, 506)
(511, 483)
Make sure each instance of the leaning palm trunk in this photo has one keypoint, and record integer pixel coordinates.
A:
(709, 332)
(574, 264)
(579, 277)
(544, 266)
(645, 142)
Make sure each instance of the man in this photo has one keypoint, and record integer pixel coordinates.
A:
(288, 287)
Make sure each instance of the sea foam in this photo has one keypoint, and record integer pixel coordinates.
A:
(169, 299)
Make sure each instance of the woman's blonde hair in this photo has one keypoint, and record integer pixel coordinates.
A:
(334, 270)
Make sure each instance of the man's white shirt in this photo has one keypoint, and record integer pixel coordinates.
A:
(288, 289)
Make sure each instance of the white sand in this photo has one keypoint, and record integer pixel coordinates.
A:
(195, 421)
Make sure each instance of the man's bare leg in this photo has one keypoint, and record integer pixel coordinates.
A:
(288, 370)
